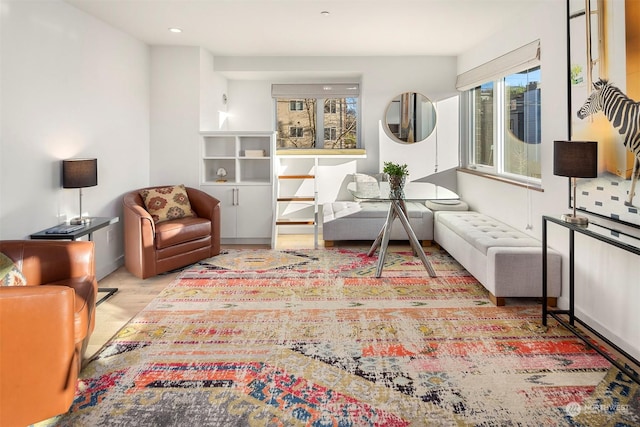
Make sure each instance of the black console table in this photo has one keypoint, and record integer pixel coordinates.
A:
(96, 223)
(607, 235)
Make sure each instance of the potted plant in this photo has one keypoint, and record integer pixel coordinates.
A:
(397, 175)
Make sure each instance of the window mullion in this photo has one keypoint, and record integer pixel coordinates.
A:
(471, 138)
(498, 131)
(320, 122)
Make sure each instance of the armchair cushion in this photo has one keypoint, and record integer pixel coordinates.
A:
(10, 275)
(182, 230)
(167, 203)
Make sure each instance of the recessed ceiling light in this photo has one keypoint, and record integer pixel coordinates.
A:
(175, 30)
(324, 13)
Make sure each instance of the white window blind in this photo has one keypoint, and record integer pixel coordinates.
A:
(523, 58)
(328, 90)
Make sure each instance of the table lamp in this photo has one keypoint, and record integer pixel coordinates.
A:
(79, 173)
(575, 159)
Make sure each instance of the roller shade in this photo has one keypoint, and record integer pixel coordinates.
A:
(523, 58)
(328, 90)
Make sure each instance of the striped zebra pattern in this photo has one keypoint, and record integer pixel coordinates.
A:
(624, 115)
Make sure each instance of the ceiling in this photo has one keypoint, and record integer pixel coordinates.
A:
(298, 28)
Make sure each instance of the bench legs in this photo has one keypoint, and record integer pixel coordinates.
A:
(499, 301)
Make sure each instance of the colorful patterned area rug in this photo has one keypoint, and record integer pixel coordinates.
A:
(312, 338)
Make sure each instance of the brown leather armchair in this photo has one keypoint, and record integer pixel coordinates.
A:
(44, 327)
(151, 249)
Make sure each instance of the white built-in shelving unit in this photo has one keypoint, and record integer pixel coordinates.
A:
(237, 169)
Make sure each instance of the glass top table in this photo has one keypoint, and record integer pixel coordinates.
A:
(412, 191)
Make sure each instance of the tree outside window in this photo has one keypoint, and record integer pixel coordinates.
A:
(316, 121)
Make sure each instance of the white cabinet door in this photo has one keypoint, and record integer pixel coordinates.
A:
(254, 211)
(245, 210)
(227, 196)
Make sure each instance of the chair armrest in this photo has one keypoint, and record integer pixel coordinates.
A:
(139, 236)
(203, 204)
(134, 208)
(207, 206)
(85, 294)
(43, 262)
(39, 368)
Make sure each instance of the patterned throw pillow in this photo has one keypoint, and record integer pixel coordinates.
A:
(9, 273)
(165, 203)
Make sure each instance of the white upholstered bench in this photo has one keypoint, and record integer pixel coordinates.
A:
(506, 261)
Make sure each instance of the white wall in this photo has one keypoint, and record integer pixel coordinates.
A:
(175, 115)
(381, 79)
(71, 86)
(186, 98)
(213, 87)
(606, 278)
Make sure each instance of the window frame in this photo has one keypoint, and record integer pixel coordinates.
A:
(330, 106)
(333, 133)
(327, 96)
(499, 129)
(295, 103)
(299, 134)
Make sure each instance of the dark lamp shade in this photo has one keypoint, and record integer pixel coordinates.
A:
(79, 173)
(575, 159)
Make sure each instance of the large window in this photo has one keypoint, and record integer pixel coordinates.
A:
(323, 116)
(502, 120)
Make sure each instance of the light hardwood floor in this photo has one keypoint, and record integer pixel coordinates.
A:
(134, 294)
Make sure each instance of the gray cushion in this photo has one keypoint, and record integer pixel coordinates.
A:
(337, 210)
(484, 232)
(446, 205)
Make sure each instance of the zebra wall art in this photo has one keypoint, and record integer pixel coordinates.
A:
(624, 115)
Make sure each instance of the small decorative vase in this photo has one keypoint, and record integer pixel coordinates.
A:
(396, 185)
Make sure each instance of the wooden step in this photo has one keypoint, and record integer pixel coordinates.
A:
(297, 199)
(283, 221)
(296, 176)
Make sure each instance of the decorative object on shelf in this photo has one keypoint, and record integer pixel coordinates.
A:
(254, 153)
(575, 159)
(222, 172)
(80, 173)
(397, 174)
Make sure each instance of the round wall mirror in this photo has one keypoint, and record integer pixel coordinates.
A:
(410, 117)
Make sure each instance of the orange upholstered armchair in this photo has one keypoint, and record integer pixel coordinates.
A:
(152, 247)
(44, 327)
